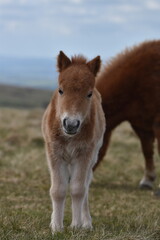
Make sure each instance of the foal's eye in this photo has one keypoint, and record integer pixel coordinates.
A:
(60, 91)
(89, 95)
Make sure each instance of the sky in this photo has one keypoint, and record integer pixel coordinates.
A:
(41, 28)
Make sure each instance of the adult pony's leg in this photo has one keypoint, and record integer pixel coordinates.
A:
(157, 131)
(157, 135)
(59, 183)
(79, 186)
(103, 149)
(147, 140)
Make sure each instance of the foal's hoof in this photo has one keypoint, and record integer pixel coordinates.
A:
(145, 187)
(157, 193)
(146, 184)
(87, 226)
(74, 227)
(55, 229)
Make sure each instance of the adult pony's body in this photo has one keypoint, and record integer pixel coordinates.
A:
(130, 91)
(73, 127)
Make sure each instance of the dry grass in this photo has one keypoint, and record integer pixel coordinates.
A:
(120, 211)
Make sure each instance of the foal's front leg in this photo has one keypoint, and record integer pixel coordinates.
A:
(86, 217)
(79, 193)
(59, 182)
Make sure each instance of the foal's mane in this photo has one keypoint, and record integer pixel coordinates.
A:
(79, 59)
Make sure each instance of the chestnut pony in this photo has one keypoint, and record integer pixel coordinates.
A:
(130, 91)
(73, 127)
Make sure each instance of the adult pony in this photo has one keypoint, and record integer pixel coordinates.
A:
(73, 127)
(130, 90)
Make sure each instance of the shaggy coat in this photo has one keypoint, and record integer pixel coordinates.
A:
(130, 90)
(73, 127)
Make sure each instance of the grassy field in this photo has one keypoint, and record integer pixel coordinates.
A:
(120, 211)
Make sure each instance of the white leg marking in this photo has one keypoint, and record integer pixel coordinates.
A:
(147, 180)
(86, 217)
(59, 178)
(79, 192)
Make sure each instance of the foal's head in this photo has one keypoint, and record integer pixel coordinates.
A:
(76, 87)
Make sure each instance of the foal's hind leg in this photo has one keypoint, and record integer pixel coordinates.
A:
(147, 140)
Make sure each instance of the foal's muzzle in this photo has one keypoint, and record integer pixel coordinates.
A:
(71, 126)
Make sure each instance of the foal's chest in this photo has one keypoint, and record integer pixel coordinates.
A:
(69, 151)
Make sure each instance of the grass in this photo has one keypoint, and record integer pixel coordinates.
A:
(120, 211)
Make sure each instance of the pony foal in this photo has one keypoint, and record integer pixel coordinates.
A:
(73, 127)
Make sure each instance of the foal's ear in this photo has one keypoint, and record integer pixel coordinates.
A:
(62, 61)
(94, 65)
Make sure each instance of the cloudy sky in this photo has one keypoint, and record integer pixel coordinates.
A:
(40, 28)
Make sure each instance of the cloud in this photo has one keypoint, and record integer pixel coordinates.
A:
(11, 26)
(109, 13)
(116, 19)
(74, 10)
(59, 29)
(5, 2)
(73, 23)
(76, 1)
(153, 5)
(127, 8)
(83, 12)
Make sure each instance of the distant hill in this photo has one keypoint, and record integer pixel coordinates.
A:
(28, 72)
(18, 97)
